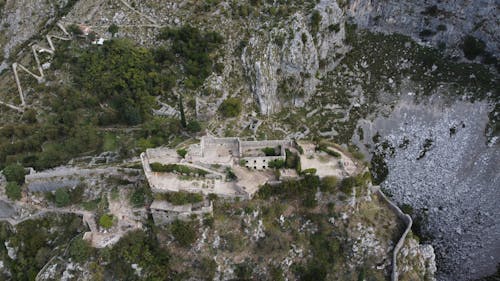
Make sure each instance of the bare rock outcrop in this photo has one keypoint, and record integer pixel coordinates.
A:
(439, 162)
(282, 65)
(443, 23)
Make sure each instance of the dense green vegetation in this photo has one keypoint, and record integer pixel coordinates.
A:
(111, 85)
(61, 197)
(180, 198)
(276, 164)
(141, 248)
(66, 196)
(106, 220)
(231, 107)
(183, 232)
(13, 191)
(122, 75)
(181, 169)
(323, 147)
(139, 196)
(473, 47)
(192, 49)
(270, 151)
(80, 250)
(304, 189)
(14, 173)
(53, 232)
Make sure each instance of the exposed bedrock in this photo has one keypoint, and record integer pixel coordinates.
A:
(292, 53)
(439, 163)
(433, 21)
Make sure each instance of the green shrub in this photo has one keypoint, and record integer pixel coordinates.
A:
(291, 189)
(426, 33)
(347, 184)
(310, 171)
(324, 148)
(292, 160)
(334, 27)
(270, 151)
(329, 184)
(309, 200)
(230, 107)
(230, 175)
(14, 173)
(277, 163)
(180, 198)
(181, 169)
(138, 197)
(473, 47)
(194, 126)
(142, 248)
(13, 191)
(75, 29)
(315, 21)
(113, 29)
(62, 197)
(106, 221)
(80, 250)
(407, 209)
(76, 194)
(208, 268)
(243, 271)
(182, 152)
(276, 273)
(183, 232)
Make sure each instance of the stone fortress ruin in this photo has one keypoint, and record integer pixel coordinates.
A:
(228, 168)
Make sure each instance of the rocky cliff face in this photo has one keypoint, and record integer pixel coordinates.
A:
(439, 162)
(283, 64)
(435, 22)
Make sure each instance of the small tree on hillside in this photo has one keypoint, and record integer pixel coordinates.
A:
(113, 29)
(62, 197)
(231, 107)
(14, 173)
(183, 116)
(13, 191)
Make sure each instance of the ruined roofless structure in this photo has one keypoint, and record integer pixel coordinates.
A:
(210, 157)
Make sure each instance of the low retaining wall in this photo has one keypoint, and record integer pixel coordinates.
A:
(408, 221)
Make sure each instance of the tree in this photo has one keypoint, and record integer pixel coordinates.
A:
(194, 126)
(62, 197)
(113, 29)
(183, 116)
(347, 184)
(472, 47)
(75, 29)
(14, 173)
(13, 191)
(182, 152)
(315, 21)
(80, 250)
(138, 197)
(183, 232)
(328, 184)
(231, 107)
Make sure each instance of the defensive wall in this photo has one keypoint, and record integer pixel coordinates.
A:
(408, 223)
(164, 212)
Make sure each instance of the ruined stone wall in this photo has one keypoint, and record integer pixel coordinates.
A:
(262, 144)
(165, 216)
(408, 222)
(212, 144)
